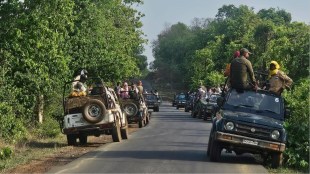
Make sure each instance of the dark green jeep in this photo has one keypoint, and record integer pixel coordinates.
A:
(249, 122)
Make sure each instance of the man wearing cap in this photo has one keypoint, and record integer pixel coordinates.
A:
(241, 72)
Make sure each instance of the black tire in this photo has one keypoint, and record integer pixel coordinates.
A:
(94, 111)
(147, 118)
(83, 139)
(156, 109)
(140, 123)
(186, 109)
(215, 151)
(199, 115)
(276, 160)
(194, 114)
(124, 130)
(130, 109)
(71, 139)
(209, 147)
(116, 132)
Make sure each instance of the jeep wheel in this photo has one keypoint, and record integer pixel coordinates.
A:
(193, 114)
(71, 139)
(140, 123)
(94, 111)
(130, 109)
(209, 146)
(186, 109)
(276, 160)
(147, 118)
(215, 151)
(83, 139)
(116, 132)
(156, 109)
(124, 130)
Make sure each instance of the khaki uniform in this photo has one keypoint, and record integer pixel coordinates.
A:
(241, 74)
(279, 82)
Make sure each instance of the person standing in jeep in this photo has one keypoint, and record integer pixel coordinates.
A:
(241, 72)
(278, 80)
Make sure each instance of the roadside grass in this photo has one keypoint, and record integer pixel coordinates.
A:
(284, 170)
(31, 150)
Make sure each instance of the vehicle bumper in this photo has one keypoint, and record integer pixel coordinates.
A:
(89, 129)
(247, 142)
(152, 106)
(181, 105)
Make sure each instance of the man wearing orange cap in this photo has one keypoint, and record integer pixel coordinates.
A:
(278, 80)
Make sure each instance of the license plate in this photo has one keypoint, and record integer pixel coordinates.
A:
(250, 142)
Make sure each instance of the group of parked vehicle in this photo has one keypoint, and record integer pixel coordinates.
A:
(202, 108)
(243, 122)
(101, 111)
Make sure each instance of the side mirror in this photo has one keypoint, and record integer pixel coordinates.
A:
(287, 113)
(220, 101)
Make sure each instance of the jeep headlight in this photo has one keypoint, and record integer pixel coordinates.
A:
(229, 126)
(275, 134)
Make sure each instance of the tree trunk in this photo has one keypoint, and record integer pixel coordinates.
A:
(40, 108)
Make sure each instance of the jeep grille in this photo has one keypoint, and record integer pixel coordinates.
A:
(252, 130)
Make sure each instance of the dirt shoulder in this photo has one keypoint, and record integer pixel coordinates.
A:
(55, 154)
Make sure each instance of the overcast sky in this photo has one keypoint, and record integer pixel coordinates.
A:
(158, 13)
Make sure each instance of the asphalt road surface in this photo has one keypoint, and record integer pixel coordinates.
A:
(173, 142)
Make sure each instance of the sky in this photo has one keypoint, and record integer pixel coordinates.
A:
(160, 13)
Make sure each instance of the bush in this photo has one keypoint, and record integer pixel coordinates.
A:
(6, 153)
(48, 129)
(11, 128)
(297, 126)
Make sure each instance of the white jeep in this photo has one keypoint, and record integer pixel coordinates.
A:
(96, 113)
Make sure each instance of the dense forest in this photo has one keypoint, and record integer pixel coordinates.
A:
(189, 56)
(43, 42)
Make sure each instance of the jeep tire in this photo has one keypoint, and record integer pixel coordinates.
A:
(276, 160)
(83, 139)
(94, 111)
(71, 139)
(116, 132)
(124, 130)
(215, 151)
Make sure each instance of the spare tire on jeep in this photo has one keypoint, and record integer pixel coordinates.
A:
(94, 111)
(130, 109)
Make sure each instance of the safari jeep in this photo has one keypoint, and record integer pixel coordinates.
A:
(249, 122)
(96, 113)
(136, 109)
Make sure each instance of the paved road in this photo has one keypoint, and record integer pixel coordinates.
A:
(173, 142)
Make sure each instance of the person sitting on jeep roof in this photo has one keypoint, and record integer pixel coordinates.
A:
(78, 87)
(241, 72)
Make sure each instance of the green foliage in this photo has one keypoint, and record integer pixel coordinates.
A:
(194, 54)
(5, 153)
(48, 129)
(215, 79)
(11, 128)
(43, 42)
(297, 126)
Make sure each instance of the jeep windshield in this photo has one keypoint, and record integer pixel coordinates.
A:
(181, 97)
(260, 102)
(213, 97)
(150, 97)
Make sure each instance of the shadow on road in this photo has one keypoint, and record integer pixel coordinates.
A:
(183, 155)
